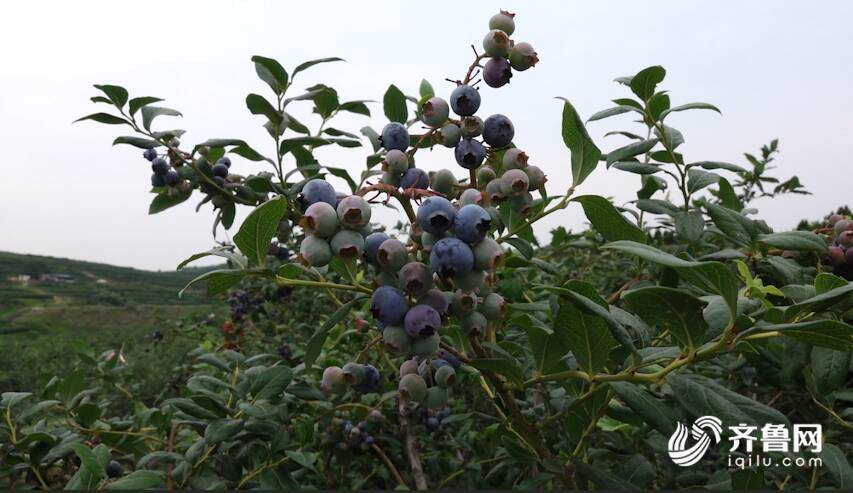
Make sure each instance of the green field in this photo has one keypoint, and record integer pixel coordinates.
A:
(104, 307)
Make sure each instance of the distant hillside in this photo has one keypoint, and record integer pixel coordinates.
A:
(79, 282)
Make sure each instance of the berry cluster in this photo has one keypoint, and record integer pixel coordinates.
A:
(427, 381)
(242, 304)
(840, 254)
(363, 378)
(164, 175)
(347, 436)
(435, 421)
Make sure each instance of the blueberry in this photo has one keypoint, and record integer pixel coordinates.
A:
(472, 223)
(432, 423)
(498, 131)
(317, 190)
(845, 239)
(395, 136)
(392, 254)
(445, 376)
(437, 299)
(320, 219)
(472, 126)
(487, 255)
(833, 219)
(389, 178)
(353, 373)
(450, 358)
(470, 196)
(412, 387)
(497, 72)
(536, 178)
(834, 256)
(450, 135)
(396, 338)
(523, 204)
(220, 170)
(409, 367)
(470, 281)
(415, 178)
(497, 43)
(515, 182)
(436, 215)
(114, 469)
(426, 346)
(503, 21)
(484, 175)
(353, 212)
(347, 244)
(388, 305)
(172, 178)
(158, 180)
(428, 240)
(474, 323)
(333, 380)
(465, 100)
(450, 257)
(843, 225)
(219, 181)
(436, 397)
(438, 363)
(514, 158)
(434, 112)
(469, 153)
(315, 251)
(224, 160)
(395, 162)
(522, 56)
(371, 246)
(848, 257)
(149, 154)
(369, 381)
(463, 303)
(443, 181)
(415, 278)
(422, 321)
(493, 307)
(159, 166)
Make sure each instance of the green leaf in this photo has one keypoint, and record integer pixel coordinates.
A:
(826, 333)
(149, 113)
(690, 225)
(690, 106)
(224, 252)
(585, 154)
(218, 281)
(637, 167)
(315, 344)
(717, 165)
(139, 142)
(426, 91)
(584, 297)
(9, 399)
(523, 246)
(608, 221)
(804, 241)
(616, 110)
(670, 309)
(304, 459)
(698, 179)
(222, 430)
(258, 105)
(713, 277)
(727, 195)
(757, 411)
(256, 232)
(653, 411)
(658, 104)
(248, 153)
(644, 83)
(656, 206)
(139, 480)
(271, 383)
(835, 461)
(587, 336)
(87, 414)
(165, 200)
(732, 223)
(394, 105)
(271, 72)
(699, 400)
(603, 479)
(630, 150)
(820, 302)
(502, 366)
(104, 118)
(829, 368)
(357, 107)
(88, 459)
(117, 94)
(746, 479)
(305, 65)
(137, 103)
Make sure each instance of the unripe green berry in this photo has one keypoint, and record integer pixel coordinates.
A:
(484, 175)
(348, 244)
(503, 21)
(514, 158)
(436, 397)
(353, 212)
(434, 112)
(470, 196)
(536, 176)
(409, 367)
(426, 346)
(497, 44)
(488, 255)
(396, 338)
(522, 56)
(412, 387)
(523, 204)
(474, 323)
(333, 381)
(463, 303)
(353, 373)
(450, 135)
(396, 162)
(443, 181)
(494, 189)
(472, 126)
(320, 219)
(493, 307)
(315, 251)
(445, 376)
(514, 182)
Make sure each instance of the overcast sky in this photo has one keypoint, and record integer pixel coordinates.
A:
(776, 69)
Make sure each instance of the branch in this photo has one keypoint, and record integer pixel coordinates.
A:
(411, 447)
(389, 465)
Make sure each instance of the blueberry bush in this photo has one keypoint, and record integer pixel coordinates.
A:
(453, 349)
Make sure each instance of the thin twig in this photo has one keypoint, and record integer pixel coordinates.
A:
(389, 465)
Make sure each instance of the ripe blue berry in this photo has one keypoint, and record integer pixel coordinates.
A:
(159, 166)
(496, 43)
(114, 469)
(522, 56)
(450, 358)
(503, 21)
(436, 299)
(415, 178)
(172, 178)
(435, 215)
(220, 170)
(149, 154)
(158, 180)
(472, 223)
(317, 191)
(498, 131)
(388, 305)
(392, 255)
(435, 112)
(415, 278)
(450, 135)
(450, 257)
(353, 212)
(371, 246)
(395, 136)
(369, 381)
(465, 100)
(422, 321)
(469, 153)
(497, 72)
